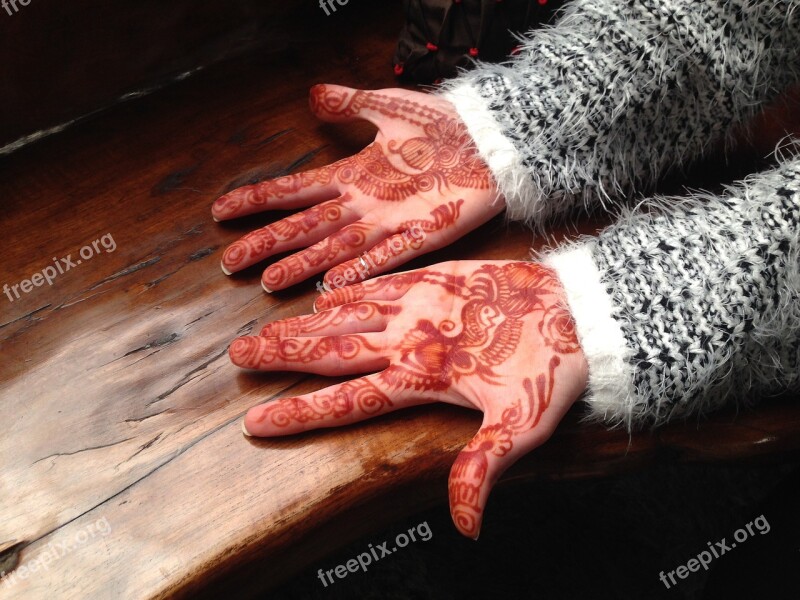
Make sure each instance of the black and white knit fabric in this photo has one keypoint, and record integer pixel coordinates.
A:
(695, 300)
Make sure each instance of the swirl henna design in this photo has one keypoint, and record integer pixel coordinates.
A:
(283, 235)
(257, 197)
(262, 351)
(358, 398)
(393, 286)
(471, 468)
(341, 245)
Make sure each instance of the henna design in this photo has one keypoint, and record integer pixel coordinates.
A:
(469, 471)
(259, 353)
(412, 238)
(399, 283)
(257, 196)
(433, 357)
(444, 215)
(359, 395)
(344, 241)
(441, 156)
(361, 311)
(255, 245)
(558, 330)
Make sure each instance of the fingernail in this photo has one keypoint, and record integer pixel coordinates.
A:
(266, 289)
(244, 430)
(216, 220)
(224, 270)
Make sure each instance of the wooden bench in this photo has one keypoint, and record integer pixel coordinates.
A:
(123, 469)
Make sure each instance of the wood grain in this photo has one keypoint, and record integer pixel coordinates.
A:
(119, 403)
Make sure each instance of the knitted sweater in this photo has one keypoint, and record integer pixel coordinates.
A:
(695, 301)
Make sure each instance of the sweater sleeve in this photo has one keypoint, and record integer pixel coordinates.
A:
(619, 91)
(680, 311)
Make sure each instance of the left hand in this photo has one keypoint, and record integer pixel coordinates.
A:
(491, 335)
(417, 188)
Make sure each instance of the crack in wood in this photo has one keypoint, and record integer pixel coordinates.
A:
(59, 454)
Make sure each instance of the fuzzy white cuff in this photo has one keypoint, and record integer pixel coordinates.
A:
(611, 392)
(512, 178)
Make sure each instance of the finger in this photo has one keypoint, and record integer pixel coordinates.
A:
(388, 287)
(333, 406)
(292, 191)
(341, 245)
(418, 237)
(339, 104)
(359, 317)
(296, 231)
(325, 355)
(499, 443)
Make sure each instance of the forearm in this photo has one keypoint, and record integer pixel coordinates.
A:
(618, 92)
(681, 311)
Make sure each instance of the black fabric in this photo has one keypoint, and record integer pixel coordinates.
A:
(442, 35)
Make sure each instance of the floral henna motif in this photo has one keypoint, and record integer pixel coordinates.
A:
(434, 357)
(359, 396)
(558, 330)
(470, 470)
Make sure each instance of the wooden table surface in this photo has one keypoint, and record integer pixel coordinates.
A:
(123, 469)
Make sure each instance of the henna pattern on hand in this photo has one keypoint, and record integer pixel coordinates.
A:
(359, 396)
(469, 471)
(433, 357)
(442, 156)
(497, 304)
(342, 243)
(414, 233)
(359, 311)
(253, 246)
(260, 353)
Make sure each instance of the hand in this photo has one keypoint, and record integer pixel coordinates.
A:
(419, 186)
(494, 336)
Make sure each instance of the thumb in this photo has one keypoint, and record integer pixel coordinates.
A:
(339, 104)
(499, 443)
